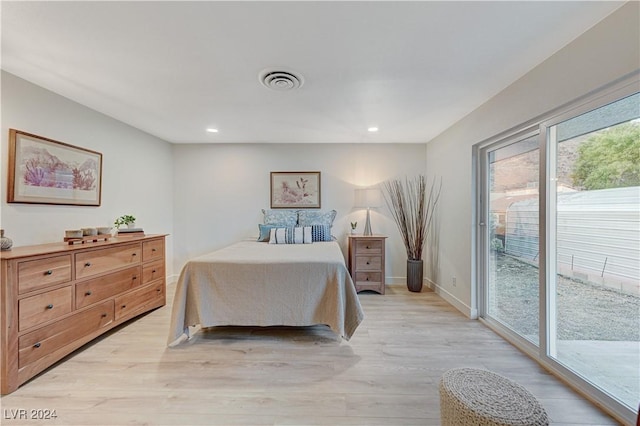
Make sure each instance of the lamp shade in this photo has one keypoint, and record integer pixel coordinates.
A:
(368, 197)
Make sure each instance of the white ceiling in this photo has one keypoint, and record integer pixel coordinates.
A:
(174, 69)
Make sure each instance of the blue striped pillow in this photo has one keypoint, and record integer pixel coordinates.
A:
(321, 233)
(291, 235)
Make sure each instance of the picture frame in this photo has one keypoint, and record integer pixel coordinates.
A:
(295, 190)
(46, 171)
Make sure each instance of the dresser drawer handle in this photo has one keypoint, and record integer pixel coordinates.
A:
(368, 263)
(153, 271)
(134, 254)
(49, 306)
(104, 315)
(153, 249)
(87, 264)
(88, 293)
(158, 290)
(123, 306)
(49, 272)
(367, 279)
(368, 247)
(134, 278)
(37, 345)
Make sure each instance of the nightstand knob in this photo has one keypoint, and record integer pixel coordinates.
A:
(368, 247)
(37, 345)
(367, 279)
(153, 271)
(368, 263)
(88, 293)
(153, 249)
(49, 272)
(87, 264)
(49, 306)
(104, 315)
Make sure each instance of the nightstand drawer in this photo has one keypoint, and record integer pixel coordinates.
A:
(369, 247)
(368, 263)
(372, 278)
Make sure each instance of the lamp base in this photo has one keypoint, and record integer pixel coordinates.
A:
(367, 225)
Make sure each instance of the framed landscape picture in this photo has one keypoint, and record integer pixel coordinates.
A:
(299, 190)
(44, 171)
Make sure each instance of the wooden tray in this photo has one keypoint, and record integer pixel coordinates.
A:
(87, 239)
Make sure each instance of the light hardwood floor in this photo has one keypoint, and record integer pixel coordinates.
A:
(386, 375)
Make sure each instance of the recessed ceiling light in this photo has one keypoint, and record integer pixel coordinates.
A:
(211, 130)
(372, 129)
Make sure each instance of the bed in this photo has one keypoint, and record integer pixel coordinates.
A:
(258, 284)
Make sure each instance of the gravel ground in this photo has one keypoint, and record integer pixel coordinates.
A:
(585, 311)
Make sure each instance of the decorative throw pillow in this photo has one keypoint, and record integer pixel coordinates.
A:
(291, 235)
(321, 233)
(265, 232)
(280, 217)
(315, 217)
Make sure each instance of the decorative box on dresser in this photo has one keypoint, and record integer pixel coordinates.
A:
(366, 262)
(57, 297)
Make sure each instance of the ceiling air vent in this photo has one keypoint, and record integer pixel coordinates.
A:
(280, 80)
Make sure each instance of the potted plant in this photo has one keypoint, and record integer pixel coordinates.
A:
(126, 219)
(412, 208)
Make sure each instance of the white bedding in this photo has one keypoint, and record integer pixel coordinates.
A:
(259, 284)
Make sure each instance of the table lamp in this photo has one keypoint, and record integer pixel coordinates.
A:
(368, 198)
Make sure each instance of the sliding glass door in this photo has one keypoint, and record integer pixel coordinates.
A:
(559, 244)
(512, 242)
(594, 241)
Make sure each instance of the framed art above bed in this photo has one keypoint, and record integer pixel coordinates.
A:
(300, 190)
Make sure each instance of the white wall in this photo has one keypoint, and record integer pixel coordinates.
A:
(605, 53)
(137, 175)
(221, 189)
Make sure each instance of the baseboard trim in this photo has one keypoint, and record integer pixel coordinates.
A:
(467, 310)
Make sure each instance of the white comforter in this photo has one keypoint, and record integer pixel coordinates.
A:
(260, 284)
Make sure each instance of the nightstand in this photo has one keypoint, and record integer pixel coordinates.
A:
(366, 262)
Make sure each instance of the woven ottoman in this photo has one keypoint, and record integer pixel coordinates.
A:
(478, 397)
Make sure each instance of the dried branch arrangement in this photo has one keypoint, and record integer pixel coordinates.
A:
(412, 209)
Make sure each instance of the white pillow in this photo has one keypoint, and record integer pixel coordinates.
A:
(291, 235)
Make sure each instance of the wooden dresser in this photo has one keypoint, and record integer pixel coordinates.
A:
(57, 297)
(366, 262)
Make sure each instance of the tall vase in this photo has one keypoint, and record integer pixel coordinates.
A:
(414, 275)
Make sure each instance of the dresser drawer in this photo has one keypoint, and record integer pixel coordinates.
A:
(39, 343)
(372, 247)
(153, 271)
(35, 310)
(38, 274)
(98, 261)
(136, 301)
(153, 250)
(97, 289)
(368, 263)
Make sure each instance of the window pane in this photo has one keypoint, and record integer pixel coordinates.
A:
(512, 291)
(595, 324)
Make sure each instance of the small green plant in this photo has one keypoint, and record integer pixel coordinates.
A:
(496, 245)
(124, 220)
(354, 225)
